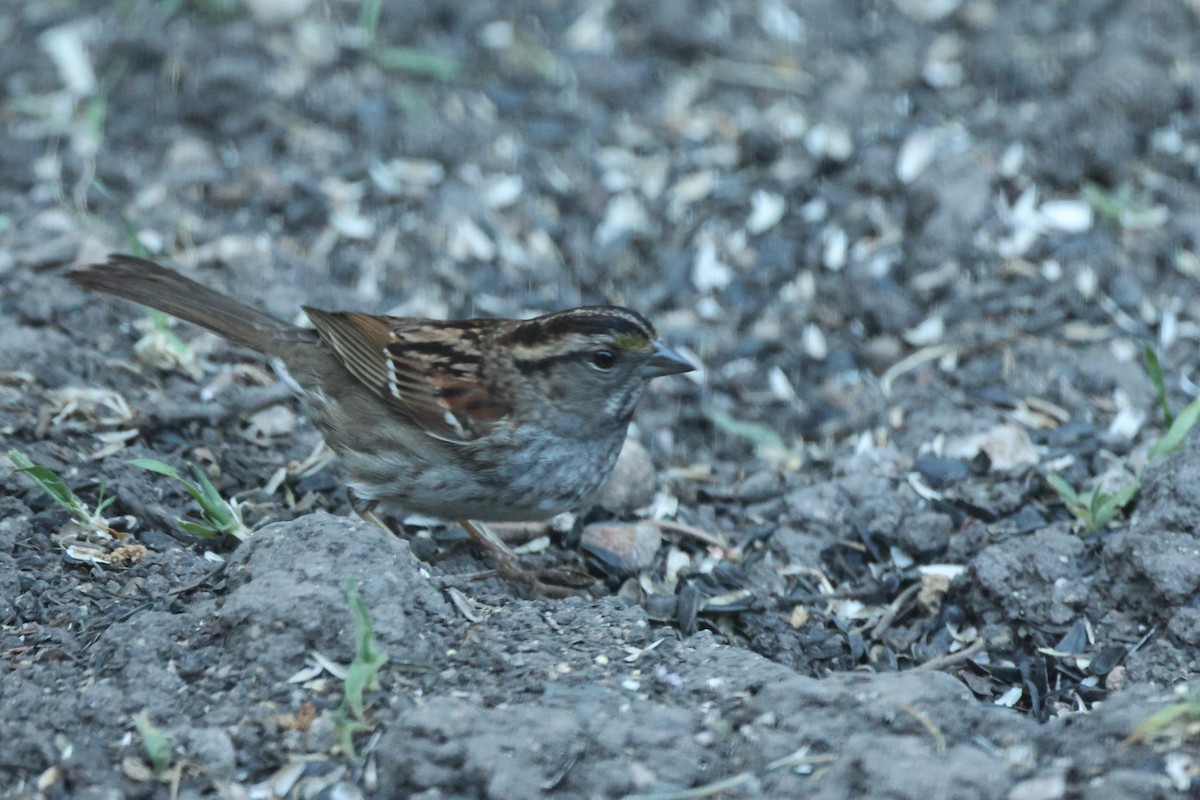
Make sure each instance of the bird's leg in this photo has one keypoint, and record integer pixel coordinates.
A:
(366, 511)
(549, 582)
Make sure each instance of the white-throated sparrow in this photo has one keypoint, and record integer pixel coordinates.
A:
(478, 419)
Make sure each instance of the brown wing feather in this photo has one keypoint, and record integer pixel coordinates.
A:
(452, 403)
(359, 341)
(415, 369)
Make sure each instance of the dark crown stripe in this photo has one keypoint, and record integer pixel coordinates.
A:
(526, 333)
(586, 321)
(598, 319)
(592, 325)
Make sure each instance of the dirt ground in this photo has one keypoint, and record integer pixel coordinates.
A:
(918, 247)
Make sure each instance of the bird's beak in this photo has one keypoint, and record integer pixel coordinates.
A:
(665, 361)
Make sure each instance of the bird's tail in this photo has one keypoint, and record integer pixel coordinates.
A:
(152, 285)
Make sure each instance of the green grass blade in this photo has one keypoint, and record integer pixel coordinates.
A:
(1065, 491)
(50, 483)
(162, 326)
(344, 729)
(1172, 440)
(763, 437)
(1154, 370)
(157, 743)
(363, 672)
(1105, 505)
(368, 19)
(154, 465)
(215, 508)
(219, 516)
(198, 529)
(136, 248)
(416, 62)
(1163, 718)
(103, 501)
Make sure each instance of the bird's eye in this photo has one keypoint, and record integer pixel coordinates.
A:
(604, 359)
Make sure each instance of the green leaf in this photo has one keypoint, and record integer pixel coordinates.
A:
(50, 483)
(417, 62)
(136, 248)
(162, 326)
(96, 111)
(157, 743)
(1111, 205)
(1172, 440)
(1165, 716)
(344, 728)
(1065, 491)
(768, 444)
(1105, 505)
(356, 678)
(198, 529)
(214, 506)
(154, 465)
(362, 674)
(219, 516)
(1154, 370)
(208, 492)
(368, 19)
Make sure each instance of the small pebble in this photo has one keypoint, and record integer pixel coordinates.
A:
(630, 548)
(632, 483)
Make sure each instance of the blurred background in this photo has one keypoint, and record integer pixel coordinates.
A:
(795, 191)
(920, 248)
